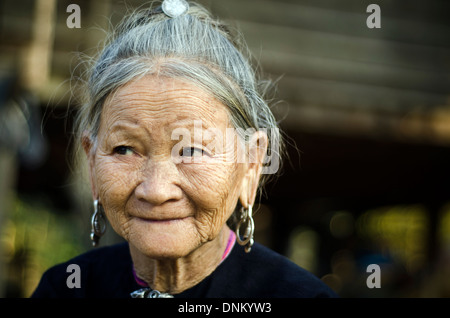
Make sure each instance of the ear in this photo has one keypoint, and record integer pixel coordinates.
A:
(256, 153)
(89, 150)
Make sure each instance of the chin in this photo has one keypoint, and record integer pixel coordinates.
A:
(163, 243)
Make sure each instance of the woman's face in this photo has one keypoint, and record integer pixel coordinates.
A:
(154, 194)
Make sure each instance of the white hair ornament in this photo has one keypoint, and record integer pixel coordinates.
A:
(175, 8)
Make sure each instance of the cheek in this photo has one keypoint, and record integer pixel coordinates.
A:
(214, 189)
(112, 179)
(115, 183)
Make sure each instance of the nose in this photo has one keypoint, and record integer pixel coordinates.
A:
(159, 183)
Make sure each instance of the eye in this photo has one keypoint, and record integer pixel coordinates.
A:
(123, 150)
(191, 152)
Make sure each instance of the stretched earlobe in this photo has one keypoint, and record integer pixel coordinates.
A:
(88, 146)
(86, 143)
(256, 154)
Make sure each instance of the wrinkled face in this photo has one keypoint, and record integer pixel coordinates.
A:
(158, 199)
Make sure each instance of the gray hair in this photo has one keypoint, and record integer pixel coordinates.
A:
(193, 46)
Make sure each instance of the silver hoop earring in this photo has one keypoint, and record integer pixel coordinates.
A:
(247, 238)
(98, 223)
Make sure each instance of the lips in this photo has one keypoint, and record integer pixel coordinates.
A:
(159, 214)
(162, 220)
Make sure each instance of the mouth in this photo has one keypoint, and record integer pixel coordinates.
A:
(162, 220)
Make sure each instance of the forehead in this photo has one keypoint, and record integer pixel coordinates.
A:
(163, 99)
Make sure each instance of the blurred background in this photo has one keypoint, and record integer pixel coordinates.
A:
(366, 113)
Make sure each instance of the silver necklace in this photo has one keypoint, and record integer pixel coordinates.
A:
(149, 293)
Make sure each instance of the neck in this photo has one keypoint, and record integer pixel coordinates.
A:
(176, 275)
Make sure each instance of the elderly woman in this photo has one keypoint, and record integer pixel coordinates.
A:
(177, 137)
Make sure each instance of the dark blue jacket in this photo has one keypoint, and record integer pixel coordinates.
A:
(106, 272)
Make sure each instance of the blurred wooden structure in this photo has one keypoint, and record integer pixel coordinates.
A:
(369, 109)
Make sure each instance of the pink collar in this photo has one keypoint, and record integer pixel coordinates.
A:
(230, 244)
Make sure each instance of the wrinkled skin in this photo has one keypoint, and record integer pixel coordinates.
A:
(172, 211)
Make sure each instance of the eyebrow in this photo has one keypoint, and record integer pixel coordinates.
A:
(123, 125)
